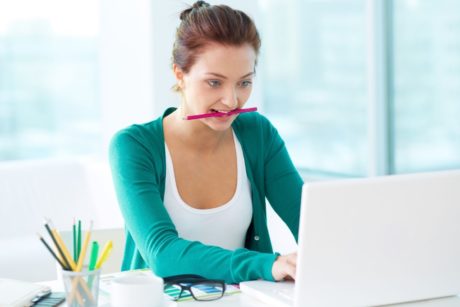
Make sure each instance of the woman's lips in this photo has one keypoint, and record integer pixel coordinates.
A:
(220, 113)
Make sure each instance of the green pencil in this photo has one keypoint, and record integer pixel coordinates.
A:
(78, 239)
(94, 254)
(92, 261)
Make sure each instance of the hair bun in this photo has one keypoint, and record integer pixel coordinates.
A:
(196, 5)
(185, 13)
(199, 4)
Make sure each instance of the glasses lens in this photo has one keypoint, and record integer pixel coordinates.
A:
(174, 291)
(207, 291)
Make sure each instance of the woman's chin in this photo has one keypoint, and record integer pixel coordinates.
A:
(220, 123)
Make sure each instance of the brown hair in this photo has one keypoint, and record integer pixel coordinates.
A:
(202, 24)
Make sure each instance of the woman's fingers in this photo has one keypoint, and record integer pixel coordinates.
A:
(290, 271)
(284, 267)
(292, 259)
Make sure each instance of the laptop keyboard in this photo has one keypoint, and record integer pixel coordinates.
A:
(285, 293)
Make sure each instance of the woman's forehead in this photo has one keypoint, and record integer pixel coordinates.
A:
(222, 59)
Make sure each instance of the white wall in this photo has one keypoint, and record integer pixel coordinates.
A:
(126, 64)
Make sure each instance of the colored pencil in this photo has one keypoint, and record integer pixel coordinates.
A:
(94, 253)
(74, 240)
(78, 239)
(64, 249)
(81, 257)
(58, 247)
(105, 254)
(220, 114)
(51, 251)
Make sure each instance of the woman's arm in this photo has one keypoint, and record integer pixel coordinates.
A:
(283, 187)
(283, 184)
(137, 183)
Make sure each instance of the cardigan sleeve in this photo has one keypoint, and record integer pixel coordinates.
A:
(283, 184)
(137, 184)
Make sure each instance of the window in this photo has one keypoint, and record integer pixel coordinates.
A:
(314, 76)
(314, 65)
(426, 85)
(49, 104)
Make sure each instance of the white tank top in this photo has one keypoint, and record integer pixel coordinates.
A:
(223, 226)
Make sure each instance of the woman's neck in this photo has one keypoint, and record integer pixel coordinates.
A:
(194, 134)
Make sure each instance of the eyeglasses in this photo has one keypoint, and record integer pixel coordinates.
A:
(196, 286)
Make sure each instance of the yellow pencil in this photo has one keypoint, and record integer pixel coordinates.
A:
(82, 255)
(105, 254)
(67, 255)
(64, 249)
(81, 259)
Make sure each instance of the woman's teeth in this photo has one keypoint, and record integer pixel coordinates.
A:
(219, 111)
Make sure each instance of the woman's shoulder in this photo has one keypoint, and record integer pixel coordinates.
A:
(253, 124)
(150, 132)
(140, 138)
(145, 132)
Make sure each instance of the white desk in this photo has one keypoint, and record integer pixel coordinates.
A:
(243, 300)
(234, 300)
(240, 300)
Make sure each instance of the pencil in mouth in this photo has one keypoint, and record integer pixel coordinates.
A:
(216, 113)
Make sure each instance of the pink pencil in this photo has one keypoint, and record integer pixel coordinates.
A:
(220, 114)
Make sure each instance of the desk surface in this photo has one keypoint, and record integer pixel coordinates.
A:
(241, 299)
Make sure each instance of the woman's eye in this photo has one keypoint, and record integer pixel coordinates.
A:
(245, 83)
(214, 83)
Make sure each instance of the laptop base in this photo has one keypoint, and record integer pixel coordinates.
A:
(272, 293)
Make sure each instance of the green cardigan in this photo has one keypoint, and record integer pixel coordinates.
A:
(137, 158)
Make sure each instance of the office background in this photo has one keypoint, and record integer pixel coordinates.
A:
(356, 87)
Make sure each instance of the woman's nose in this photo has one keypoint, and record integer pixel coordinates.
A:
(230, 98)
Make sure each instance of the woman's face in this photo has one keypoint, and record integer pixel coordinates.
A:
(220, 80)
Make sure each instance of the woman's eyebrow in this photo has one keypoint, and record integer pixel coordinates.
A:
(224, 77)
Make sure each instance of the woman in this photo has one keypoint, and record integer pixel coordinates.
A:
(192, 192)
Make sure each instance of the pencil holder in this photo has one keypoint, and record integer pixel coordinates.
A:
(82, 288)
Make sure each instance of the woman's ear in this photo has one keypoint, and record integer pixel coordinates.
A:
(179, 74)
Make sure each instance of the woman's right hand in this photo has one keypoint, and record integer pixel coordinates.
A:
(284, 267)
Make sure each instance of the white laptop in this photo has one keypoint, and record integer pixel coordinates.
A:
(374, 241)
